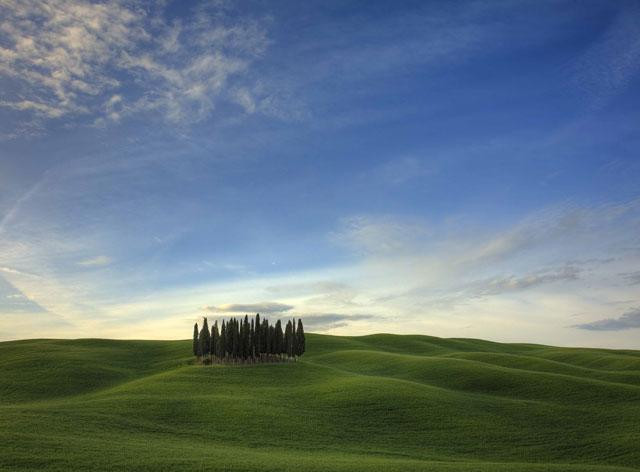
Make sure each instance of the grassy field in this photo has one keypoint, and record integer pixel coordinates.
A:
(382, 402)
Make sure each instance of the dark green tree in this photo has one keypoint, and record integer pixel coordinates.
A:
(205, 339)
(222, 350)
(215, 339)
(294, 342)
(268, 336)
(246, 338)
(278, 339)
(288, 341)
(257, 336)
(243, 339)
(236, 339)
(252, 339)
(300, 340)
(231, 338)
(229, 343)
(195, 339)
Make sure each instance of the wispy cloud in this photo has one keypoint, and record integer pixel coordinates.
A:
(632, 278)
(488, 287)
(561, 226)
(379, 235)
(22, 273)
(97, 261)
(628, 320)
(110, 60)
(399, 171)
(14, 301)
(61, 51)
(512, 283)
(611, 63)
(328, 321)
(263, 307)
(308, 288)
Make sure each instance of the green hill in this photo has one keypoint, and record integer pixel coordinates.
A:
(382, 402)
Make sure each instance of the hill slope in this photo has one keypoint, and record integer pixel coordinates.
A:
(379, 402)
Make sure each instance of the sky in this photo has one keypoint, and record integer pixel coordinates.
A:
(455, 169)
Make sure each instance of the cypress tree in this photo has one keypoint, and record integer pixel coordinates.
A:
(222, 350)
(257, 336)
(215, 339)
(205, 339)
(232, 339)
(200, 342)
(266, 339)
(287, 339)
(242, 341)
(294, 342)
(236, 338)
(195, 339)
(278, 338)
(252, 340)
(268, 330)
(211, 342)
(207, 336)
(300, 341)
(274, 339)
(246, 338)
(229, 343)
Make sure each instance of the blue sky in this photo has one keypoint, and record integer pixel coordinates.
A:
(459, 169)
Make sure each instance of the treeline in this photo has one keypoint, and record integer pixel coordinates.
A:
(248, 341)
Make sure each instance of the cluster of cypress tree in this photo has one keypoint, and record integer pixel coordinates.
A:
(248, 341)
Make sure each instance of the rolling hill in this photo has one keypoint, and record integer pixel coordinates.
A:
(380, 402)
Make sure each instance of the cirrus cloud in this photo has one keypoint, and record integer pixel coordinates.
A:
(97, 261)
(263, 307)
(108, 60)
(328, 321)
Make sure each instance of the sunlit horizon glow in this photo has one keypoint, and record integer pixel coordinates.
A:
(456, 170)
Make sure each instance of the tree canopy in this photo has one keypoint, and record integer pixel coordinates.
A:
(248, 340)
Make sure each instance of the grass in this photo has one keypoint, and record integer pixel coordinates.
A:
(381, 402)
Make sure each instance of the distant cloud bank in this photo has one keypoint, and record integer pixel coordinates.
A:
(326, 321)
(628, 320)
(264, 307)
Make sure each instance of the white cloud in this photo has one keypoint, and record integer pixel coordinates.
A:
(322, 322)
(308, 288)
(380, 234)
(97, 261)
(68, 58)
(440, 277)
(262, 307)
(467, 292)
(39, 108)
(628, 320)
(60, 50)
(12, 271)
(632, 278)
